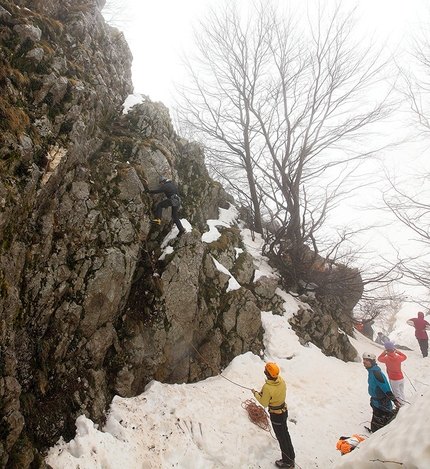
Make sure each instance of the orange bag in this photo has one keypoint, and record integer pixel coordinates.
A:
(346, 444)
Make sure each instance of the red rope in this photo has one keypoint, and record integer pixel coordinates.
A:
(257, 414)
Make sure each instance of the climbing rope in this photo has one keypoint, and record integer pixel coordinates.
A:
(415, 389)
(155, 275)
(207, 363)
(257, 415)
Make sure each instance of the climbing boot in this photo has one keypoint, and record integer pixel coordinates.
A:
(288, 465)
(156, 221)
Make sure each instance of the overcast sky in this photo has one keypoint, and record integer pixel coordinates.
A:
(158, 32)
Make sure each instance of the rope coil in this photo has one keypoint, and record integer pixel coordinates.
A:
(257, 414)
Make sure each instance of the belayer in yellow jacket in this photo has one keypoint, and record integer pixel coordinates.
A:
(272, 395)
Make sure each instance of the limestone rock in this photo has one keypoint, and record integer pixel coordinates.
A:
(92, 303)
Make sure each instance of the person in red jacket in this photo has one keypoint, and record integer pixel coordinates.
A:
(421, 325)
(393, 361)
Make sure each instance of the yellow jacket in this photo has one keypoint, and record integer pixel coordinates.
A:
(272, 394)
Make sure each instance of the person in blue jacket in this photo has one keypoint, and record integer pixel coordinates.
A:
(381, 396)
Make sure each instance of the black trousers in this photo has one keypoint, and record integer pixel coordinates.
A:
(380, 418)
(175, 212)
(279, 424)
(424, 346)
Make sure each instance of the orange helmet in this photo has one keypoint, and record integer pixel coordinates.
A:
(272, 369)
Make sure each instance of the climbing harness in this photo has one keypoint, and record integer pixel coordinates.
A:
(175, 200)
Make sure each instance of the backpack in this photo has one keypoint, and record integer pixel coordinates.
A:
(176, 200)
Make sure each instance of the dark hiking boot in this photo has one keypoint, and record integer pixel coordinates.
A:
(287, 465)
(156, 221)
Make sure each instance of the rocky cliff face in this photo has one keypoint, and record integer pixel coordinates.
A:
(88, 310)
(88, 307)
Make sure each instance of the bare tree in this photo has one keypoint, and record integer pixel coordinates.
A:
(283, 105)
(407, 196)
(411, 207)
(415, 74)
(117, 13)
(383, 308)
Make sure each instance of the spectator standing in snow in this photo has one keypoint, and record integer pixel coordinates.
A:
(272, 395)
(380, 392)
(381, 338)
(393, 361)
(421, 327)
